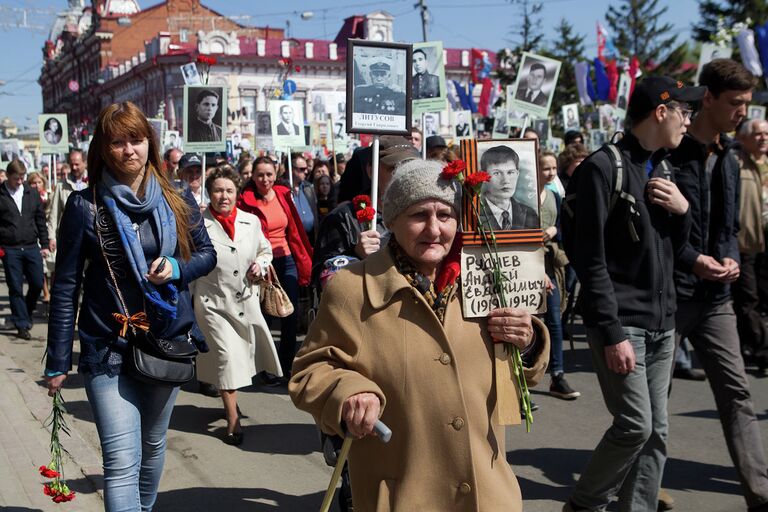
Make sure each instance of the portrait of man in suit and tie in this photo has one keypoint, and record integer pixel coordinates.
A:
(423, 84)
(9, 151)
(532, 91)
(286, 125)
(500, 209)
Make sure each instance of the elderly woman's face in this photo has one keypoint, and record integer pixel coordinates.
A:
(425, 231)
(223, 195)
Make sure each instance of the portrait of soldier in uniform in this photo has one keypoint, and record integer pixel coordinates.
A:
(423, 83)
(378, 97)
(378, 93)
(202, 119)
(500, 209)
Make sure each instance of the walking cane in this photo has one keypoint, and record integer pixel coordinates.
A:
(384, 434)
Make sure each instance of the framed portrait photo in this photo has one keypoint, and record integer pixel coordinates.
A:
(172, 140)
(596, 139)
(159, 126)
(710, 52)
(571, 117)
(190, 74)
(205, 118)
(534, 88)
(9, 149)
(328, 103)
(428, 78)
(378, 87)
(461, 124)
(263, 124)
(508, 204)
(542, 128)
(622, 93)
(287, 122)
(54, 134)
(756, 112)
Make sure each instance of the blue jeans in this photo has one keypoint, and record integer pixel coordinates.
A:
(629, 460)
(132, 419)
(20, 263)
(553, 322)
(285, 267)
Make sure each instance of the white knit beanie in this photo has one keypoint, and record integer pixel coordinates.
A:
(417, 180)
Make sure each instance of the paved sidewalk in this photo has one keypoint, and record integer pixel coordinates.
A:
(24, 442)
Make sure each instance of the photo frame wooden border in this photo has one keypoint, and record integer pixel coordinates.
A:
(408, 48)
(470, 235)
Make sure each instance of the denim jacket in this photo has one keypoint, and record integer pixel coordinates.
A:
(79, 251)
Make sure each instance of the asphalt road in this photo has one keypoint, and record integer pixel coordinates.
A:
(279, 466)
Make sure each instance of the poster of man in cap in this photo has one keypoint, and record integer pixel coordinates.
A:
(378, 87)
(54, 138)
(428, 78)
(205, 118)
(535, 85)
(287, 118)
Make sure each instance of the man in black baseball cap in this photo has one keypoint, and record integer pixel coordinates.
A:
(621, 238)
(660, 90)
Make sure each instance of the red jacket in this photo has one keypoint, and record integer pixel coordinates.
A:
(298, 242)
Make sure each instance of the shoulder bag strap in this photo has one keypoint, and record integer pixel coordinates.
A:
(106, 260)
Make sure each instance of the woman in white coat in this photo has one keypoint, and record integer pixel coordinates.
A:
(227, 300)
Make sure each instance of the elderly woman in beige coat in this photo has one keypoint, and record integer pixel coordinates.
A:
(226, 301)
(390, 341)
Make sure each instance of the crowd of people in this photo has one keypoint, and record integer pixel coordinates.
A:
(656, 240)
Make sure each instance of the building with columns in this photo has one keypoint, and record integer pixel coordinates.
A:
(112, 51)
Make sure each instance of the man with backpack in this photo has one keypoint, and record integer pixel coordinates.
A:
(708, 176)
(623, 221)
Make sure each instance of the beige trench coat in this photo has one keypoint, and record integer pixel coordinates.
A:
(375, 333)
(228, 310)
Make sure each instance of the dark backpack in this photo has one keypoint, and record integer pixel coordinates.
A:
(570, 208)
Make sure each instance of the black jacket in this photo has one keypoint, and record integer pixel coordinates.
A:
(624, 282)
(714, 212)
(25, 228)
(96, 327)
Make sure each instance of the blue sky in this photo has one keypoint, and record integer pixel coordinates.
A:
(487, 24)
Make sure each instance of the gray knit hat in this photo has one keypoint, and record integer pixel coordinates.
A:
(417, 180)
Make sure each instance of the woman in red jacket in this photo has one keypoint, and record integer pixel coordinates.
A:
(291, 250)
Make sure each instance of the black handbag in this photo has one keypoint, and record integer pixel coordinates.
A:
(148, 358)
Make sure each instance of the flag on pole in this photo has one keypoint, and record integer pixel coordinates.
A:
(603, 83)
(761, 33)
(466, 100)
(613, 80)
(583, 82)
(606, 49)
(749, 57)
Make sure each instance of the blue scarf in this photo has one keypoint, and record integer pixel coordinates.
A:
(120, 201)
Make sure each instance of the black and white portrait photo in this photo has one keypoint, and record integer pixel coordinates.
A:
(328, 103)
(9, 149)
(428, 78)
(172, 140)
(461, 120)
(622, 94)
(756, 112)
(53, 133)
(710, 52)
(500, 124)
(190, 74)
(596, 139)
(535, 85)
(571, 117)
(542, 128)
(263, 126)
(378, 87)
(431, 124)
(509, 199)
(205, 118)
(287, 118)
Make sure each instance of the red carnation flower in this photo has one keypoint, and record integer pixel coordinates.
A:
(366, 214)
(298, 69)
(476, 179)
(48, 472)
(453, 169)
(49, 491)
(361, 201)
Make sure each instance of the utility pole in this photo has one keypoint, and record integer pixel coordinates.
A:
(424, 18)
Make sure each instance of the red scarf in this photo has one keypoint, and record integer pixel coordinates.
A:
(227, 222)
